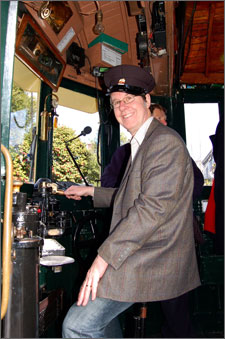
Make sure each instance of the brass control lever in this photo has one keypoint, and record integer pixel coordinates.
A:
(54, 188)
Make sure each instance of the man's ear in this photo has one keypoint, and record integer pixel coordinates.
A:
(148, 100)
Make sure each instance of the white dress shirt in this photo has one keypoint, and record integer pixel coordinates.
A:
(138, 138)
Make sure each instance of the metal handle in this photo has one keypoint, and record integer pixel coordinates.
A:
(7, 223)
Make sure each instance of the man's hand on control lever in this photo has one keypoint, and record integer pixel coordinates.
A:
(76, 192)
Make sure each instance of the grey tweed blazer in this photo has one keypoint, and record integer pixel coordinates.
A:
(150, 249)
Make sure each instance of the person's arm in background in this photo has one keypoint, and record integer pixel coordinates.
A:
(198, 186)
(113, 173)
(198, 181)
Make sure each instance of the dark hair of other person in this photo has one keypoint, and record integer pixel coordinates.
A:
(154, 106)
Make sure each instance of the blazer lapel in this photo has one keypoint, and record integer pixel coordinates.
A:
(151, 128)
(127, 170)
(155, 123)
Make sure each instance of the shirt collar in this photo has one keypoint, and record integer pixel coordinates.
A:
(138, 138)
(140, 134)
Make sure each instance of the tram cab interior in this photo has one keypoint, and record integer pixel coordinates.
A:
(54, 55)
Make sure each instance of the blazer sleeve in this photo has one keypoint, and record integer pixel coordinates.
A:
(104, 196)
(166, 172)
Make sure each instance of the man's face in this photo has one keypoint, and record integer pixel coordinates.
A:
(131, 115)
(160, 115)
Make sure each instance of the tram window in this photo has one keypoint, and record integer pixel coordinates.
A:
(125, 136)
(201, 121)
(71, 123)
(22, 139)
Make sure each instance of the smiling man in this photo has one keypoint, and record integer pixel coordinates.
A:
(149, 254)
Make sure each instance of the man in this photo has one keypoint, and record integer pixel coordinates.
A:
(159, 113)
(114, 171)
(151, 234)
(214, 215)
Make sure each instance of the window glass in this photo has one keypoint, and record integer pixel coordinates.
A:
(23, 127)
(71, 123)
(125, 136)
(201, 121)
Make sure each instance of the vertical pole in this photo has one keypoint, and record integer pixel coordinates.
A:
(8, 23)
(8, 40)
(44, 147)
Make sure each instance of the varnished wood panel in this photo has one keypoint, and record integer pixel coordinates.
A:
(204, 47)
(203, 51)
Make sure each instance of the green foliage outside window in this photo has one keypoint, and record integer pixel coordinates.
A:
(23, 119)
(63, 167)
(21, 163)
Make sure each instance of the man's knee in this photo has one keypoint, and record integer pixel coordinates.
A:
(66, 328)
(70, 323)
(81, 322)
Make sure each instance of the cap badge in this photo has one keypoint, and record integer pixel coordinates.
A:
(121, 81)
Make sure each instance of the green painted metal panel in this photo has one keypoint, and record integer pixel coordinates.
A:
(116, 44)
(109, 131)
(77, 87)
(212, 269)
(4, 15)
(202, 95)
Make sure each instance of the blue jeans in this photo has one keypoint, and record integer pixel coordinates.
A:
(95, 320)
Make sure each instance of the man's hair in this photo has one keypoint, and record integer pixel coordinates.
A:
(154, 106)
(143, 95)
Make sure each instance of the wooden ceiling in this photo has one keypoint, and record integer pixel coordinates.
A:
(203, 61)
(194, 31)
